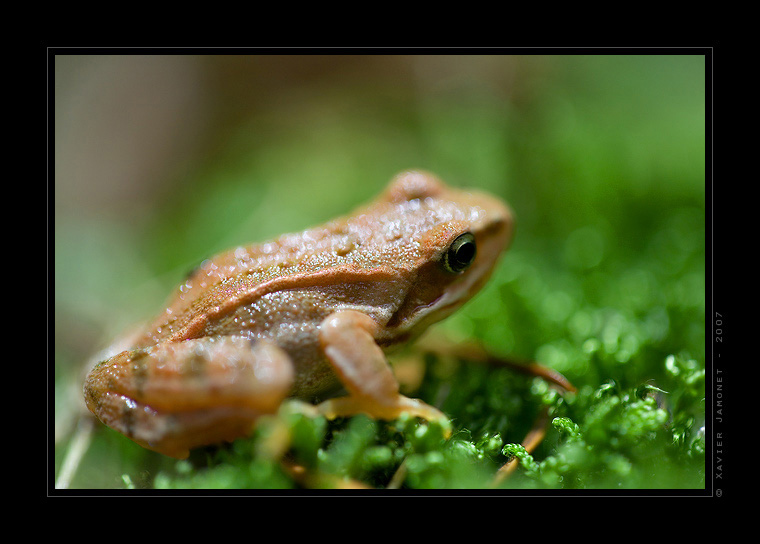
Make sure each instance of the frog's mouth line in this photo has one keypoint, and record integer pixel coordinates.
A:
(443, 305)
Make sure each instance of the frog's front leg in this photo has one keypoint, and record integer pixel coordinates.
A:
(347, 339)
(175, 396)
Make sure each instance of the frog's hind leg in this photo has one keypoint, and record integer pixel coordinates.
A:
(173, 397)
(441, 346)
(347, 339)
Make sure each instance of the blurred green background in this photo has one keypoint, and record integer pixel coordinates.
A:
(161, 161)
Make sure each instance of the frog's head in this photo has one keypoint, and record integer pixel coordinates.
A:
(456, 238)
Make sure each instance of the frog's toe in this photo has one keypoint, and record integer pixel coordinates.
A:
(388, 410)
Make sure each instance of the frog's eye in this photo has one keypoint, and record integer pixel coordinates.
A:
(460, 253)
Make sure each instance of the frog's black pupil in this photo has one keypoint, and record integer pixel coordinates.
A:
(465, 253)
(461, 253)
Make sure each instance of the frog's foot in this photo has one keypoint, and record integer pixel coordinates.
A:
(530, 443)
(388, 410)
(176, 396)
(347, 339)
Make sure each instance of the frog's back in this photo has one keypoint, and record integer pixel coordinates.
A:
(377, 243)
(319, 259)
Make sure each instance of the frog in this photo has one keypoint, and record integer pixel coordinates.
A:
(310, 316)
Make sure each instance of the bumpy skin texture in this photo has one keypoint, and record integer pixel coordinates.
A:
(301, 316)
